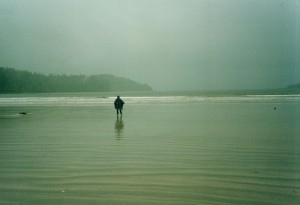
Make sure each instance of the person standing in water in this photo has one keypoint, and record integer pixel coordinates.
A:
(119, 105)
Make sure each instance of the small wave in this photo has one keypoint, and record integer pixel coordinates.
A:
(90, 101)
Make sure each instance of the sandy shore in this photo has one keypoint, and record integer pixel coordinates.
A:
(182, 153)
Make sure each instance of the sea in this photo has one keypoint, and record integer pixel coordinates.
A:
(198, 148)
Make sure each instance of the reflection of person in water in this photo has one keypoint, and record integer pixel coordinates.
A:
(119, 126)
(119, 105)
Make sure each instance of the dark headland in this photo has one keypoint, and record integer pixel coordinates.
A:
(294, 87)
(16, 81)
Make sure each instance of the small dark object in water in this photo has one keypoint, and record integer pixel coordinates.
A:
(275, 108)
(23, 113)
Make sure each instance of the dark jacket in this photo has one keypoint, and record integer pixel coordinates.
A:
(119, 103)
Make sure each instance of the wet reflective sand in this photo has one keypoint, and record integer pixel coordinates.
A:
(162, 153)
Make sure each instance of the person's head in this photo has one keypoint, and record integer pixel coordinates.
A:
(118, 96)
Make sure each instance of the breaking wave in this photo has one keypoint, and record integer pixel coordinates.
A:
(94, 100)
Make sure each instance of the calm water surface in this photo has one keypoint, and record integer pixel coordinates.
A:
(164, 150)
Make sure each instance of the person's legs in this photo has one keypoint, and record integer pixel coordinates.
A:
(117, 111)
(121, 111)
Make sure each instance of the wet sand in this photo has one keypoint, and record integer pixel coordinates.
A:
(168, 153)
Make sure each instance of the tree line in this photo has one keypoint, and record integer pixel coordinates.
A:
(15, 81)
(294, 86)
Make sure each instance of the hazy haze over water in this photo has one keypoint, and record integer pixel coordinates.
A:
(169, 44)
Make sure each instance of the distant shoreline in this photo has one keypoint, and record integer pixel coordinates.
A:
(157, 93)
(15, 81)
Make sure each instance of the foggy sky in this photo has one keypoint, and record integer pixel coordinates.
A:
(169, 44)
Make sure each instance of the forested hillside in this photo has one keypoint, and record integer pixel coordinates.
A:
(295, 86)
(15, 81)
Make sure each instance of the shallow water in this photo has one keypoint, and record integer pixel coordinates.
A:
(162, 151)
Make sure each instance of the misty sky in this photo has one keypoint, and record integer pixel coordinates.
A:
(169, 44)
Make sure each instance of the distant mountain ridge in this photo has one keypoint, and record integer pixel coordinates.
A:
(294, 86)
(16, 81)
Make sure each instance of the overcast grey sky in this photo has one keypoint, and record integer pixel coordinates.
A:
(169, 44)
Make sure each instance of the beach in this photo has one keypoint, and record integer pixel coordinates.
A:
(164, 150)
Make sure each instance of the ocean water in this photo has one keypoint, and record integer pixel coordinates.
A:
(167, 148)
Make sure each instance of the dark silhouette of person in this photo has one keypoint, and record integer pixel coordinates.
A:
(119, 105)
